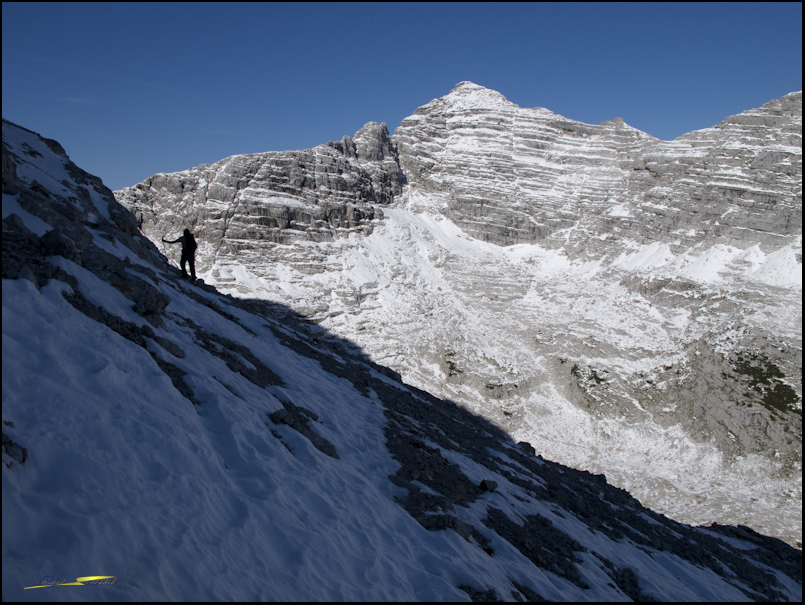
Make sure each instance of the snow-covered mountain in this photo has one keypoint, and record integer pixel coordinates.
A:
(169, 442)
(627, 305)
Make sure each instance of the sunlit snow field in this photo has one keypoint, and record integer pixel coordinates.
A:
(418, 285)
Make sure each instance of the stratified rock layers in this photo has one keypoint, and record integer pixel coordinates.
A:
(505, 175)
(274, 197)
(511, 175)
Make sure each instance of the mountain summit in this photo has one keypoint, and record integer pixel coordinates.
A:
(467, 95)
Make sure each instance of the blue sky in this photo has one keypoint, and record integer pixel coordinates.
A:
(132, 89)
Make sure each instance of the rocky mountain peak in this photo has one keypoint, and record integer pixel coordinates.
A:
(510, 175)
(783, 114)
(467, 96)
(374, 142)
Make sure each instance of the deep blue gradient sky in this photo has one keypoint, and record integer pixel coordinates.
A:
(132, 89)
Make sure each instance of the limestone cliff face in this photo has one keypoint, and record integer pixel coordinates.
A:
(739, 181)
(274, 197)
(510, 175)
(505, 175)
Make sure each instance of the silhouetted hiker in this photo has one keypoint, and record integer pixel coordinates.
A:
(188, 252)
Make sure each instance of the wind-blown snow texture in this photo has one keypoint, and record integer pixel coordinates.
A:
(629, 306)
(196, 446)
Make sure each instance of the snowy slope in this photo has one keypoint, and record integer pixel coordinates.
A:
(196, 446)
(456, 316)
